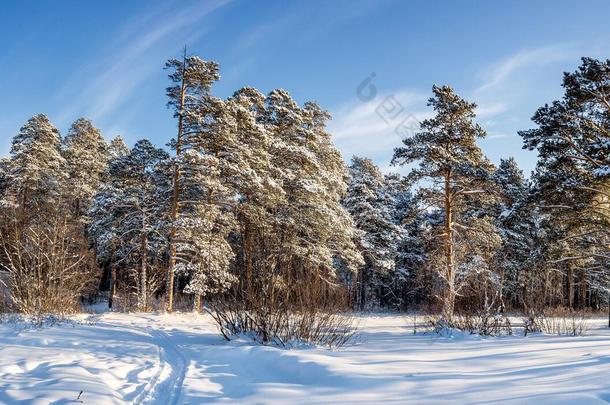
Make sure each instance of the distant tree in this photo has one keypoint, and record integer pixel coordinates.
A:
(515, 222)
(102, 216)
(4, 177)
(372, 207)
(406, 286)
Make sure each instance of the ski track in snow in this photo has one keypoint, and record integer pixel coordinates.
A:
(168, 390)
(181, 359)
(165, 386)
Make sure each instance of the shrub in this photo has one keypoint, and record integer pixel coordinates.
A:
(483, 323)
(282, 327)
(48, 270)
(558, 321)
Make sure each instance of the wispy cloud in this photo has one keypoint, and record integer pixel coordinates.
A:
(110, 84)
(366, 129)
(501, 73)
(507, 94)
(491, 109)
(359, 129)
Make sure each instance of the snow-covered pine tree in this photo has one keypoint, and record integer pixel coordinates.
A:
(48, 261)
(405, 283)
(372, 208)
(457, 175)
(131, 218)
(312, 230)
(515, 222)
(210, 152)
(86, 155)
(192, 79)
(101, 228)
(117, 149)
(248, 173)
(36, 171)
(203, 252)
(572, 142)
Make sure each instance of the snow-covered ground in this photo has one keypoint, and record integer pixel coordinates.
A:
(180, 359)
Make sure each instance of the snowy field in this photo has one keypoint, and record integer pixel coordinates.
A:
(160, 359)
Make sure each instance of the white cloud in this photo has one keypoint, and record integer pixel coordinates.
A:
(376, 127)
(126, 65)
(491, 109)
(501, 73)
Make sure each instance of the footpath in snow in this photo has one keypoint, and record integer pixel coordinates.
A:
(181, 359)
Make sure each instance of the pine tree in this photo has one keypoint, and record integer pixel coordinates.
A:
(372, 209)
(130, 215)
(202, 248)
(247, 171)
(117, 148)
(457, 174)
(312, 227)
(571, 140)
(192, 78)
(46, 254)
(36, 170)
(103, 215)
(411, 256)
(515, 222)
(86, 155)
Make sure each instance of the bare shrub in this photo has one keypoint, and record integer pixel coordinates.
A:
(483, 323)
(561, 321)
(282, 327)
(283, 311)
(531, 325)
(48, 267)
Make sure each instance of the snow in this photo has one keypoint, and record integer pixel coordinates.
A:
(180, 359)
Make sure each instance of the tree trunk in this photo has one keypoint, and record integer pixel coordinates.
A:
(112, 286)
(248, 255)
(449, 303)
(582, 287)
(176, 195)
(143, 274)
(570, 282)
(197, 303)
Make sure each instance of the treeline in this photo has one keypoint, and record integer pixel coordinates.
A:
(251, 205)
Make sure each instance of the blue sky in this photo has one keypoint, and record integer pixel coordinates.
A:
(103, 60)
